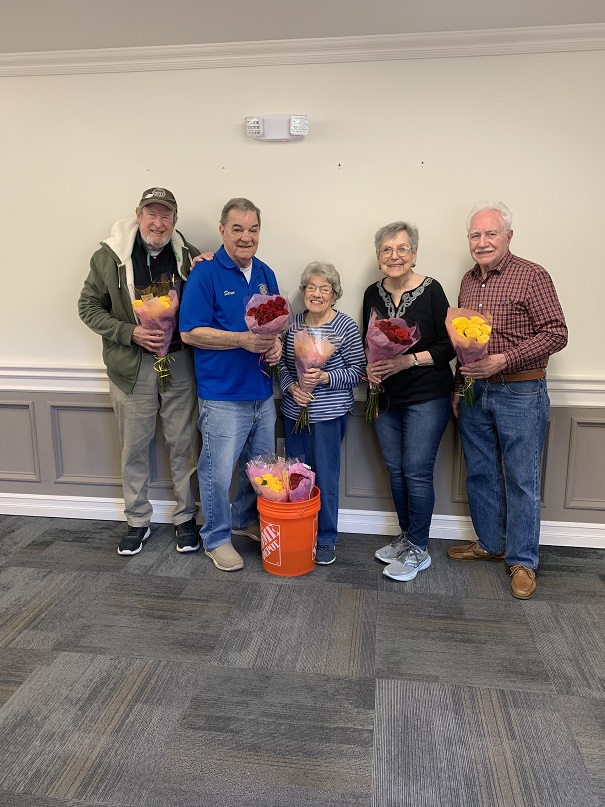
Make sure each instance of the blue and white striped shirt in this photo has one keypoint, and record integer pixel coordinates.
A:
(346, 366)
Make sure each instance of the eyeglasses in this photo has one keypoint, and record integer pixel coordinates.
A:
(402, 251)
(321, 289)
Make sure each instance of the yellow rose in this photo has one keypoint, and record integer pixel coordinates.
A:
(137, 303)
(476, 320)
(483, 338)
(473, 331)
(486, 329)
(460, 323)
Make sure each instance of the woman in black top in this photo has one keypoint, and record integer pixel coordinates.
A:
(415, 401)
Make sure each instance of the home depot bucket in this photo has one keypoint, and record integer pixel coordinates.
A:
(289, 535)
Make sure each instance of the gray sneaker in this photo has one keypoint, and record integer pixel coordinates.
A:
(409, 562)
(389, 553)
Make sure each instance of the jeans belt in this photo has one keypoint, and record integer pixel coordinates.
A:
(524, 375)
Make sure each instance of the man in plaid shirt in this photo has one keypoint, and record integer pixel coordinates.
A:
(502, 434)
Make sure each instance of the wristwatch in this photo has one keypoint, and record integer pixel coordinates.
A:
(416, 362)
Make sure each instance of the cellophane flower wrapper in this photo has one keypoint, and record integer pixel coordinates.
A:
(268, 314)
(269, 477)
(469, 348)
(312, 349)
(301, 480)
(386, 338)
(156, 308)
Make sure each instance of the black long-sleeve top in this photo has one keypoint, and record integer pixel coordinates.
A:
(427, 306)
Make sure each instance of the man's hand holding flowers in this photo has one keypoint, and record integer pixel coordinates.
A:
(151, 340)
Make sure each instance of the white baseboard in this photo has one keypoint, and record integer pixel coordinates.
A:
(368, 522)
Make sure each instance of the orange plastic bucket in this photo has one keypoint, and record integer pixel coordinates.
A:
(288, 533)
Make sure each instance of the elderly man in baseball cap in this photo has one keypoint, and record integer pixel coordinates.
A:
(145, 257)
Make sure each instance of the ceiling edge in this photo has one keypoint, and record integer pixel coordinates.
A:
(449, 44)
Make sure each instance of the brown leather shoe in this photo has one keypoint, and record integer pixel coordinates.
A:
(522, 582)
(472, 551)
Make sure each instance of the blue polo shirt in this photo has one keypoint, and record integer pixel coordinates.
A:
(214, 297)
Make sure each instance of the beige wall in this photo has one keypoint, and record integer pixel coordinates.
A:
(420, 139)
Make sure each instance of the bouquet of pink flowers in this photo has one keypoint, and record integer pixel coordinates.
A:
(301, 480)
(385, 339)
(269, 477)
(268, 314)
(312, 349)
(157, 308)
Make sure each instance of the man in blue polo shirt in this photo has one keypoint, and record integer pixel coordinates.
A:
(237, 412)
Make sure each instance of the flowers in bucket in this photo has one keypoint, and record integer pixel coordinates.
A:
(156, 308)
(469, 333)
(301, 480)
(385, 339)
(269, 477)
(312, 349)
(268, 314)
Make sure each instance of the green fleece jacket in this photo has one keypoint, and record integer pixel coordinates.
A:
(105, 303)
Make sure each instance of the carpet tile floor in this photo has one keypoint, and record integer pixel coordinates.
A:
(159, 681)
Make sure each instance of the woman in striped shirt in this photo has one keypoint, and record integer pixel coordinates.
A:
(327, 393)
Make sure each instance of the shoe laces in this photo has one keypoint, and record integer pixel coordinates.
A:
(400, 540)
(518, 567)
(411, 552)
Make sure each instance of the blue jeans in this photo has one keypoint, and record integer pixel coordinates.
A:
(409, 437)
(231, 430)
(321, 450)
(502, 438)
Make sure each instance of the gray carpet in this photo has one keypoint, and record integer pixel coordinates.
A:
(160, 681)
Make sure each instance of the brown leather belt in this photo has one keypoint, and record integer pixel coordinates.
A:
(527, 375)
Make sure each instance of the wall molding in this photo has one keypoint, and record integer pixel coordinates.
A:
(367, 522)
(563, 390)
(446, 44)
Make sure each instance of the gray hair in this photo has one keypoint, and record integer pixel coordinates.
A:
(325, 270)
(498, 207)
(239, 203)
(391, 230)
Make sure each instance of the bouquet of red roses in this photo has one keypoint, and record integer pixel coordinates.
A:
(312, 349)
(301, 480)
(156, 308)
(268, 314)
(385, 339)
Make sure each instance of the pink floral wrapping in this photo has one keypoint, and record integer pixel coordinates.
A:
(301, 480)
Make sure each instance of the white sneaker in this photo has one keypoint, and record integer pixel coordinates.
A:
(389, 553)
(411, 561)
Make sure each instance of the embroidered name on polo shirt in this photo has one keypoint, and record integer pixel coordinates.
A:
(227, 293)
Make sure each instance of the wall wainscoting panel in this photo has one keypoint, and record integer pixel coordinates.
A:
(60, 457)
(19, 458)
(585, 489)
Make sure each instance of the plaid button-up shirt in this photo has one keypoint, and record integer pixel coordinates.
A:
(528, 324)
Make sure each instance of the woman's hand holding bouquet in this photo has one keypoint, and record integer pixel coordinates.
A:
(312, 349)
(386, 341)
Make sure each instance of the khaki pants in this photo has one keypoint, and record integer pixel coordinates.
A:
(137, 415)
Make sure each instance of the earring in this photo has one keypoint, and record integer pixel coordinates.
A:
(413, 265)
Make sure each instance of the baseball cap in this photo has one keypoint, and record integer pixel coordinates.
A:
(158, 196)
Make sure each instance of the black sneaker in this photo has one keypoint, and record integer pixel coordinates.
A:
(187, 537)
(133, 541)
(325, 554)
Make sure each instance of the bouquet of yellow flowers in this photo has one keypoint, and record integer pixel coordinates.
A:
(156, 308)
(269, 478)
(469, 333)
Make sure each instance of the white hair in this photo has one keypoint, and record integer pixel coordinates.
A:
(498, 207)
